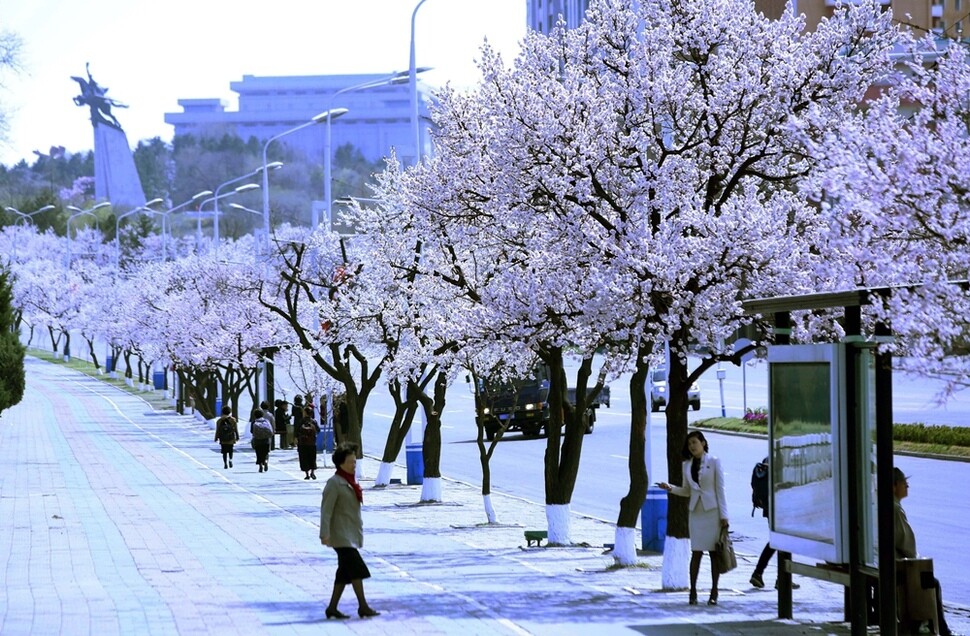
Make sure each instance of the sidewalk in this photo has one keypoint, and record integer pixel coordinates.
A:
(121, 520)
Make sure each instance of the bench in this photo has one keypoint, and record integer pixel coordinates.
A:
(536, 536)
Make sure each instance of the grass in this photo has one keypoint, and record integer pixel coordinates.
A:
(738, 425)
(156, 399)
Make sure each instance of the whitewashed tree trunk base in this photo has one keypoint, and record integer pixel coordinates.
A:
(559, 522)
(675, 575)
(625, 546)
(383, 475)
(489, 511)
(431, 489)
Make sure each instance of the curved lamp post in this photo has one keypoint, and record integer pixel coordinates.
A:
(215, 201)
(27, 218)
(195, 197)
(318, 118)
(394, 78)
(413, 80)
(275, 165)
(79, 212)
(142, 208)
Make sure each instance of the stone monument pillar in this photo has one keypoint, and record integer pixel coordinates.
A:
(115, 177)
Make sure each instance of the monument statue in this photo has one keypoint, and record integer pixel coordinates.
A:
(115, 176)
(94, 95)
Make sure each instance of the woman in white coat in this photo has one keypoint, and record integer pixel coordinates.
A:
(703, 480)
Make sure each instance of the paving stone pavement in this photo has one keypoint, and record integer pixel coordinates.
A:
(118, 519)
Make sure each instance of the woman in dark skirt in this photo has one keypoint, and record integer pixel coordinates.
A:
(306, 446)
(342, 528)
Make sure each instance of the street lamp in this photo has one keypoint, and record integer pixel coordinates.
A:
(214, 200)
(412, 78)
(27, 219)
(318, 118)
(195, 197)
(78, 212)
(395, 78)
(276, 165)
(141, 208)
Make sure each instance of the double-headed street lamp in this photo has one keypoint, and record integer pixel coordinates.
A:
(142, 208)
(27, 218)
(276, 165)
(79, 212)
(195, 197)
(214, 200)
(326, 115)
(394, 78)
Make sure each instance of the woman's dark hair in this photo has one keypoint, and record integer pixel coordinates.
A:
(298, 399)
(341, 452)
(685, 452)
(227, 410)
(257, 413)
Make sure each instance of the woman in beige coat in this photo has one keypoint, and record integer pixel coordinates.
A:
(703, 480)
(342, 528)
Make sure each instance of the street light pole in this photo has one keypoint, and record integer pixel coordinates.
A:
(276, 165)
(195, 197)
(142, 208)
(78, 212)
(320, 117)
(413, 79)
(394, 78)
(27, 218)
(215, 201)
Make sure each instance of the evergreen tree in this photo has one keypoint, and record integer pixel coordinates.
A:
(12, 375)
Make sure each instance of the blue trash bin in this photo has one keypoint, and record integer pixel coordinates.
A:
(414, 454)
(218, 406)
(653, 520)
(108, 363)
(159, 380)
(325, 440)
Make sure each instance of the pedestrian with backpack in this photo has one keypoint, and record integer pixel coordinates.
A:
(227, 434)
(262, 432)
(306, 444)
(760, 498)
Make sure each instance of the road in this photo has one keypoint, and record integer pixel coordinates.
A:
(517, 462)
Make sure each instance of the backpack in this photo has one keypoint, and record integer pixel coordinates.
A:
(262, 429)
(227, 428)
(308, 436)
(759, 485)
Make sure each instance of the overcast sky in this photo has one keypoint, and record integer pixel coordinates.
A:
(150, 54)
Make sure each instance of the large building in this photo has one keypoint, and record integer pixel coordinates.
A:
(943, 17)
(378, 118)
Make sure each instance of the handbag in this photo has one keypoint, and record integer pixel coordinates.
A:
(725, 558)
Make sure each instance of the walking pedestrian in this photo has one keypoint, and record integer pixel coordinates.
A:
(262, 433)
(342, 528)
(282, 422)
(703, 477)
(761, 498)
(306, 447)
(227, 434)
(296, 415)
(268, 414)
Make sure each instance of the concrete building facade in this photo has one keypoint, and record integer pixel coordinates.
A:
(378, 119)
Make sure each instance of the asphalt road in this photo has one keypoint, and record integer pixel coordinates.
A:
(936, 508)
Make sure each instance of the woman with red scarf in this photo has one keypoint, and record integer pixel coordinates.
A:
(342, 528)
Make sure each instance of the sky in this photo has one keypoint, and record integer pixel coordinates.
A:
(150, 54)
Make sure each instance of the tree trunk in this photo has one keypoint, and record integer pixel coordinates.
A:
(94, 356)
(431, 448)
(632, 503)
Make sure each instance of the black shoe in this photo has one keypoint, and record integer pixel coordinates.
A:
(713, 599)
(366, 612)
(260, 468)
(225, 466)
(333, 613)
(757, 581)
(313, 475)
(794, 585)
(306, 478)
(230, 463)
(692, 599)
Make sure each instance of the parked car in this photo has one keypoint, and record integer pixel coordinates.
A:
(658, 392)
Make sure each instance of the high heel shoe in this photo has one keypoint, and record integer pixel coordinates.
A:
(366, 612)
(335, 613)
(692, 599)
(713, 599)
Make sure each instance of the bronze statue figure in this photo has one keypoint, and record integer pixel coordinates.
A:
(94, 96)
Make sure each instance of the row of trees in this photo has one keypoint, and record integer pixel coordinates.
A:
(617, 186)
